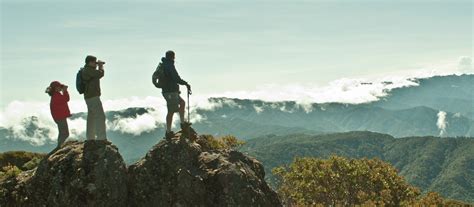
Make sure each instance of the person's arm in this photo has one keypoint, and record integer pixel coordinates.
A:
(101, 69)
(66, 95)
(93, 73)
(176, 77)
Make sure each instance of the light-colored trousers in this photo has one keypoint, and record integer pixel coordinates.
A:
(95, 119)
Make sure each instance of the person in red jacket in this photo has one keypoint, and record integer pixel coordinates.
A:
(59, 109)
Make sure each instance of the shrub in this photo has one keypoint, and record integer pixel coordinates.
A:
(10, 171)
(223, 143)
(342, 181)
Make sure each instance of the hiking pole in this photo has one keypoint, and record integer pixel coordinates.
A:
(188, 125)
(189, 117)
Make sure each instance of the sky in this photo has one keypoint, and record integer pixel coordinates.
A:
(227, 47)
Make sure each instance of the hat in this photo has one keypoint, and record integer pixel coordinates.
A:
(55, 84)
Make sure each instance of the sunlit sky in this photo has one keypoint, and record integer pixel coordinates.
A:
(224, 46)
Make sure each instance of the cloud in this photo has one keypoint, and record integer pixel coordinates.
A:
(32, 121)
(135, 126)
(258, 109)
(442, 123)
(465, 65)
(345, 90)
(353, 91)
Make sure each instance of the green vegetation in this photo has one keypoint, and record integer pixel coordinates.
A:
(433, 164)
(223, 143)
(340, 181)
(9, 171)
(14, 162)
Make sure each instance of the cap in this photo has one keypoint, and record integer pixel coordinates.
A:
(55, 84)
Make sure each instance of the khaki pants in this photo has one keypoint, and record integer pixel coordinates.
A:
(95, 119)
(63, 131)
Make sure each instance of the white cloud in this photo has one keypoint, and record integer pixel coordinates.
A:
(346, 90)
(18, 115)
(465, 64)
(442, 123)
(135, 126)
(258, 109)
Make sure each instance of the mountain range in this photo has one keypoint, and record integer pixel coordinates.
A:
(443, 165)
(405, 129)
(437, 106)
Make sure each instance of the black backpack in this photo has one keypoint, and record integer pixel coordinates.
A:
(80, 86)
(158, 78)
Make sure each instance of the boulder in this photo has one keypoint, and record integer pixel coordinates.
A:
(90, 173)
(184, 173)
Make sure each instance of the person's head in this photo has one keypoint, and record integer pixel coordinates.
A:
(54, 86)
(170, 55)
(91, 61)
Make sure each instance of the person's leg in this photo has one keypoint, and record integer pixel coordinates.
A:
(100, 121)
(182, 107)
(172, 104)
(90, 130)
(169, 121)
(63, 131)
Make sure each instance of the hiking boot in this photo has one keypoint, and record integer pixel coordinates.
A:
(169, 135)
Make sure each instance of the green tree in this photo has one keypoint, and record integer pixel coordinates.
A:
(341, 181)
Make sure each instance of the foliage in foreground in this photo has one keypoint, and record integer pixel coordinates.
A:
(342, 181)
(224, 143)
(14, 162)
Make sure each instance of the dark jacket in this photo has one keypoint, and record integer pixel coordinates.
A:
(91, 78)
(59, 106)
(172, 77)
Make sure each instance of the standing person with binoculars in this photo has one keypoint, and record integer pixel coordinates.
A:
(59, 109)
(92, 72)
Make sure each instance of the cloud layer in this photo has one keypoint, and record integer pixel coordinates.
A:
(346, 90)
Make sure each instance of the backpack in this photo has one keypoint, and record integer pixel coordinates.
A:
(158, 77)
(80, 86)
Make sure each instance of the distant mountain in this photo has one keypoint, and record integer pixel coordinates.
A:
(336, 117)
(446, 93)
(444, 165)
(408, 111)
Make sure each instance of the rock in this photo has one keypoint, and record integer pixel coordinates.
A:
(185, 173)
(179, 172)
(90, 173)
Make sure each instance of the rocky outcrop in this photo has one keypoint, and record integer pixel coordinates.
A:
(184, 173)
(90, 173)
(179, 172)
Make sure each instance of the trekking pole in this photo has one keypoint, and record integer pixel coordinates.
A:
(189, 117)
(188, 125)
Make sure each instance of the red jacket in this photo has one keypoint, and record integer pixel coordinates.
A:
(59, 107)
